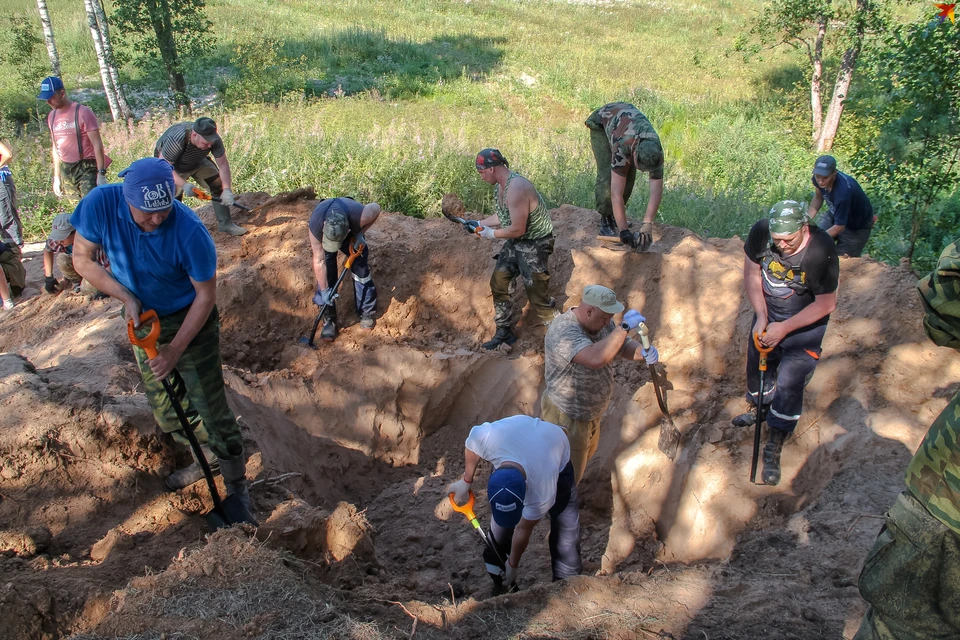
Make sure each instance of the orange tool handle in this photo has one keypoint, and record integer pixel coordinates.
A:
(355, 252)
(149, 342)
(762, 349)
(466, 509)
(201, 195)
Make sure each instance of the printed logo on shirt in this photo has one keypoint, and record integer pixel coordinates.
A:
(156, 198)
(64, 125)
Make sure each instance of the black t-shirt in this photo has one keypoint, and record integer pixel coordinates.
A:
(347, 206)
(848, 203)
(791, 283)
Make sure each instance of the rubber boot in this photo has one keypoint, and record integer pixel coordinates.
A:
(771, 457)
(503, 335)
(235, 478)
(224, 223)
(608, 228)
(188, 475)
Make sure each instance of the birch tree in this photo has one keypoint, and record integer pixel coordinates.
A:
(109, 77)
(47, 27)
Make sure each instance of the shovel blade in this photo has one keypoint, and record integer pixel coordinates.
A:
(233, 512)
(305, 340)
(669, 438)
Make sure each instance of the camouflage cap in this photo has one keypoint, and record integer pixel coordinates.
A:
(335, 229)
(940, 294)
(648, 155)
(787, 216)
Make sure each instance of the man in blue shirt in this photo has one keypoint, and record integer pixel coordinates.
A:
(849, 216)
(162, 258)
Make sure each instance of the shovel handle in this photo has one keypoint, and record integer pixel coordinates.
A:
(762, 349)
(149, 342)
(644, 334)
(465, 509)
(355, 251)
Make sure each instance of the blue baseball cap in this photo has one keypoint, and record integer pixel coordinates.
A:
(505, 491)
(148, 185)
(49, 86)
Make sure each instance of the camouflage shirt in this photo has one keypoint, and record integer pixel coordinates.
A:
(933, 476)
(539, 224)
(633, 141)
(578, 391)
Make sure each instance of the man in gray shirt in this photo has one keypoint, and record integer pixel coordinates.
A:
(579, 348)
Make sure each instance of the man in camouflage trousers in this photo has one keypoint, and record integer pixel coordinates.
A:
(911, 577)
(522, 219)
(625, 142)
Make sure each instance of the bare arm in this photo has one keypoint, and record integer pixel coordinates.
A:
(226, 178)
(97, 143)
(319, 262)
(200, 308)
(821, 306)
(371, 212)
(55, 157)
(472, 461)
(5, 155)
(617, 184)
(815, 204)
(521, 538)
(656, 195)
(632, 350)
(490, 221)
(48, 263)
(520, 202)
(601, 353)
(753, 283)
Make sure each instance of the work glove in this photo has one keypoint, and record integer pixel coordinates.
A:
(101, 180)
(460, 490)
(651, 355)
(487, 232)
(631, 320)
(227, 198)
(628, 239)
(323, 297)
(471, 226)
(50, 284)
(188, 190)
(510, 578)
(359, 239)
(646, 236)
(57, 190)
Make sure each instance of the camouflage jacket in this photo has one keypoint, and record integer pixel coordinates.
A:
(933, 475)
(633, 141)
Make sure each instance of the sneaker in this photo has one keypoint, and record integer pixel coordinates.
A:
(504, 335)
(8, 304)
(329, 331)
(367, 322)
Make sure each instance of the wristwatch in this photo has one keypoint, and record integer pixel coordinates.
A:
(102, 172)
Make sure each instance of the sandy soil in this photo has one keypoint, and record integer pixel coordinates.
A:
(352, 446)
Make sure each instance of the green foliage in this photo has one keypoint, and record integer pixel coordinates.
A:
(913, 161)
(19, 48)
(264, 73)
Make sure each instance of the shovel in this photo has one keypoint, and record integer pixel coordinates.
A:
(669, 434)
(472, 225)
(467, 511)
(201, 195)
(756, 432)
(230, 510)
(355, 252)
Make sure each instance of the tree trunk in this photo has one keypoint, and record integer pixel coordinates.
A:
(159, 11)
(47, 27)
(816, 103)
(842, 84)
(105, 79)
(125, 109)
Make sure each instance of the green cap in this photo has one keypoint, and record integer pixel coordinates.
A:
(787, 216)
(335, 229)
(602, 298)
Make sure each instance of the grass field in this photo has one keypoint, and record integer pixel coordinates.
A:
(423, 85)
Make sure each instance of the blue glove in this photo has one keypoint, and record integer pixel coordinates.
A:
(632, 319)
(359, 239)
(471, 226)
(651, 355)
(323, 297)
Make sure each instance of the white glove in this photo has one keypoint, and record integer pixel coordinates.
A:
(227, 198)
(101, 180)
(460, 490)
(651, 355)
(487, 232)
(56, 187)
(188, 189)
(511, 576)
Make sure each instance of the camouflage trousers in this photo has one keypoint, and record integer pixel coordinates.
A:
(13, 269)
(528, 259)
(204, 398)
(911, 577)
(64, 262)
(80, 175)
(600, 144)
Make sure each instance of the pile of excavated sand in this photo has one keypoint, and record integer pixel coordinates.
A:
(353, 444)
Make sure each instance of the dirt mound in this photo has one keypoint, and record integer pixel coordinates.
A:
(353, 444)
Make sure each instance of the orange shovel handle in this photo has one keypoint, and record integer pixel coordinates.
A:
(762, 349)
(465, 509)
(149, 342)
(355, 252)
(201, 195)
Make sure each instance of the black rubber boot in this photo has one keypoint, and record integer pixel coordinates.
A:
(608, 228)
(771, 457)
(749, 418)
(329, 331)
(503, 335)
(235, 479)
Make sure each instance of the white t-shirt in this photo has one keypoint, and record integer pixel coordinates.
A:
(541, 448)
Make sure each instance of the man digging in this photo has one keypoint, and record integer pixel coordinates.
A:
(790, 273)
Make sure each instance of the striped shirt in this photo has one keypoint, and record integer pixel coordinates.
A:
(175, 147)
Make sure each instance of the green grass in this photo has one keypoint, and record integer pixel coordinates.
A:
(426, 83)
